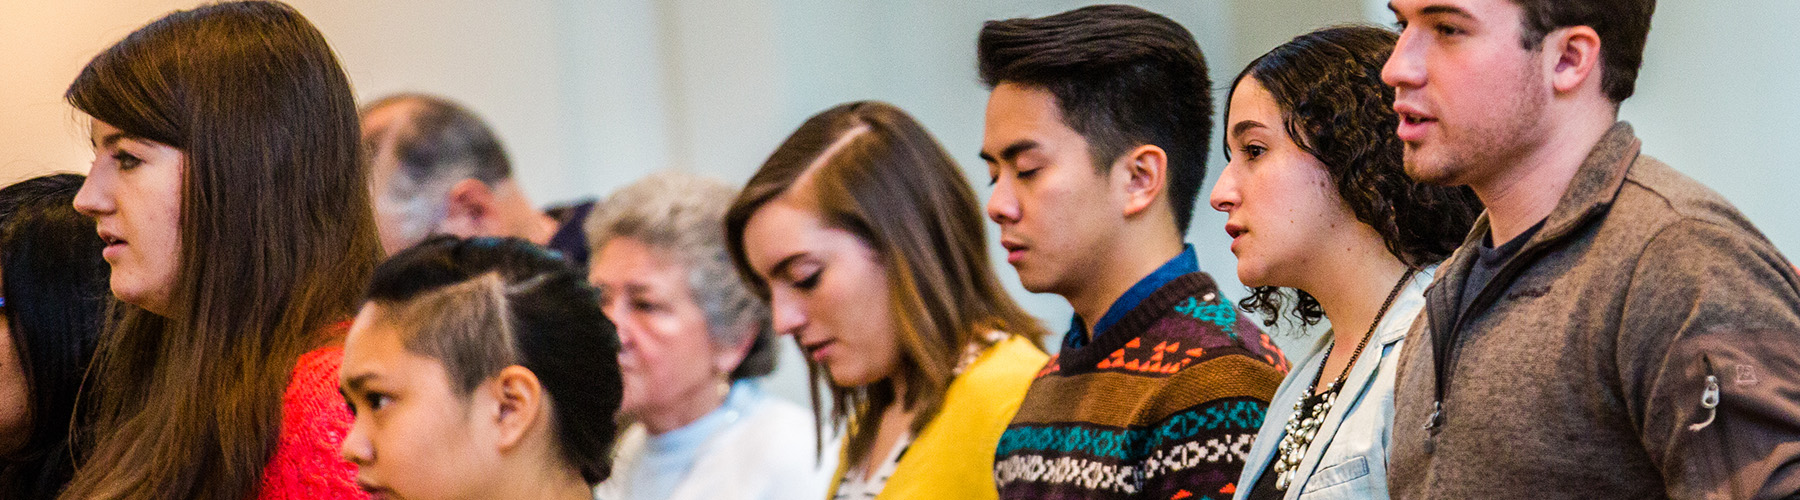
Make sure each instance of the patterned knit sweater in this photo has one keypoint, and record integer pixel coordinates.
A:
(1162, 405)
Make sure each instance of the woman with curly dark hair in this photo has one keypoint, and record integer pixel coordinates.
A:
(1326, 225)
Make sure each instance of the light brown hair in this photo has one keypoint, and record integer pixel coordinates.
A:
(893, 186)
(277, 238)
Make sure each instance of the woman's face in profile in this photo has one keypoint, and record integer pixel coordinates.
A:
(827, 289)
(666, 356)
(133, 193)
(1283, 208)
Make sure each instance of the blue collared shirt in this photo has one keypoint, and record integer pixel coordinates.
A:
(1182, 264)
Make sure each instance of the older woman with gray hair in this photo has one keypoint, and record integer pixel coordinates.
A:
(694, 341)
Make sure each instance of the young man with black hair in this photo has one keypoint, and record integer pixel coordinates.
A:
(1096, 142)
(1610, 328)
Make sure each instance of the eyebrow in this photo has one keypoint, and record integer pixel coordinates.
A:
(1240, 127)
(1011, 151)
(109, 140)
(1436, 9)
(356, 382)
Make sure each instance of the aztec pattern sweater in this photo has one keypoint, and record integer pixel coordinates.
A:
(1161, 406)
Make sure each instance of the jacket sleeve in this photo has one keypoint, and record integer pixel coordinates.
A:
(1709, 360)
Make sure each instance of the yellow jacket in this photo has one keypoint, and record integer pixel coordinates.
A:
(953, 457)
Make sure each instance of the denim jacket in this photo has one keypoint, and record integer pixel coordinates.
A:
(1348, 458)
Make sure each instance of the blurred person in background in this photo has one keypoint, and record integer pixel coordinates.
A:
(437, 168)
(695, 342)
(55, 293)
(480, 369)
(868, 242)
(235, 211)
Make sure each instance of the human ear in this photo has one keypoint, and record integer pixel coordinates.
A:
(1142, 172)
(520, 400)
(1574, 55)
(470, 209)
(727, 358)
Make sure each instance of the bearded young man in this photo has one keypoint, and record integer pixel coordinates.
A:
(1611, 328)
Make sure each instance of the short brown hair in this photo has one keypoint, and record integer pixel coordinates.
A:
(1623, 26)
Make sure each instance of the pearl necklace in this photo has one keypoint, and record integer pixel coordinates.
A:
(1297, 436)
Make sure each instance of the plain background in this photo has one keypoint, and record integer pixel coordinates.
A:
(589, 95)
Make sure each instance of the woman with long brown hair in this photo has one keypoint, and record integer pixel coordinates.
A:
(227, 186)
(868, 242)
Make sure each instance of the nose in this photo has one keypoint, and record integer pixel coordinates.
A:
(1404, 68)
(1225, 196)
(357, 448)
(95, 197)
(786, 314)
(615, 309)
(1002, 205)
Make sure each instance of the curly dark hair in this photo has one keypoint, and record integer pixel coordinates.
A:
(1333, 103)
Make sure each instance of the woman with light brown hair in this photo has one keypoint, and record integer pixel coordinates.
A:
(868, 242)
(227, 187)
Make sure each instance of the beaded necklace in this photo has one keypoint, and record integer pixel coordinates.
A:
(1304, 423)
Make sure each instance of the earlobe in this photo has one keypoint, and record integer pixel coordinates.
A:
(1577, 56)
(1146, 169)
(520, 399)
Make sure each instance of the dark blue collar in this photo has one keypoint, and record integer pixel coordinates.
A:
(1185, 263)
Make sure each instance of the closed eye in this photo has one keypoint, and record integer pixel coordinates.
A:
(126, 161)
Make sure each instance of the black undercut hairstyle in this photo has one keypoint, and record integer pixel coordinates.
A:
(1123, 77)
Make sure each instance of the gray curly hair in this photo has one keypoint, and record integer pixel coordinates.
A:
(682, 215)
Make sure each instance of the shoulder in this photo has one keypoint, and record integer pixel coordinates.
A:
(314, 422)
(1010, 362)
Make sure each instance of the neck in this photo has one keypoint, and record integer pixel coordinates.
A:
(1527, 189)
(1357, 279)
(557, 483)
(1131, 258)
(687, 408)
(536, 470)
(526, 220)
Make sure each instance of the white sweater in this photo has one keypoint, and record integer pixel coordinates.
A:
(754, 447)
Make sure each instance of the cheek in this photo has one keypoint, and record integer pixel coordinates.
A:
(671, 351)
(865, 321)
(425, 455)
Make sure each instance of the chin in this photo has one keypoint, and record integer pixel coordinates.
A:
(847, 377)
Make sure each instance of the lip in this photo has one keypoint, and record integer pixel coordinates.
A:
(1015, 251)
(114, 245)
(817, 351)
(1234, 230)
(1414, 122)
(375, 491)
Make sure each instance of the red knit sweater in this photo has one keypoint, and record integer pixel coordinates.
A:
(314, 422)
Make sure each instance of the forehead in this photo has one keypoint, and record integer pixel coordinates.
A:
(626, 258)
(1250, 101)
(785, 226)
(1481, 10)
(1018, 112)
(373, 342)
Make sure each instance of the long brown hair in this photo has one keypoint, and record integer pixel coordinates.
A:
(277, 237)
(894, 187)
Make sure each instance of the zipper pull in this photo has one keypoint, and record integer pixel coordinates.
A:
(1437, 416)
(1709, 400)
